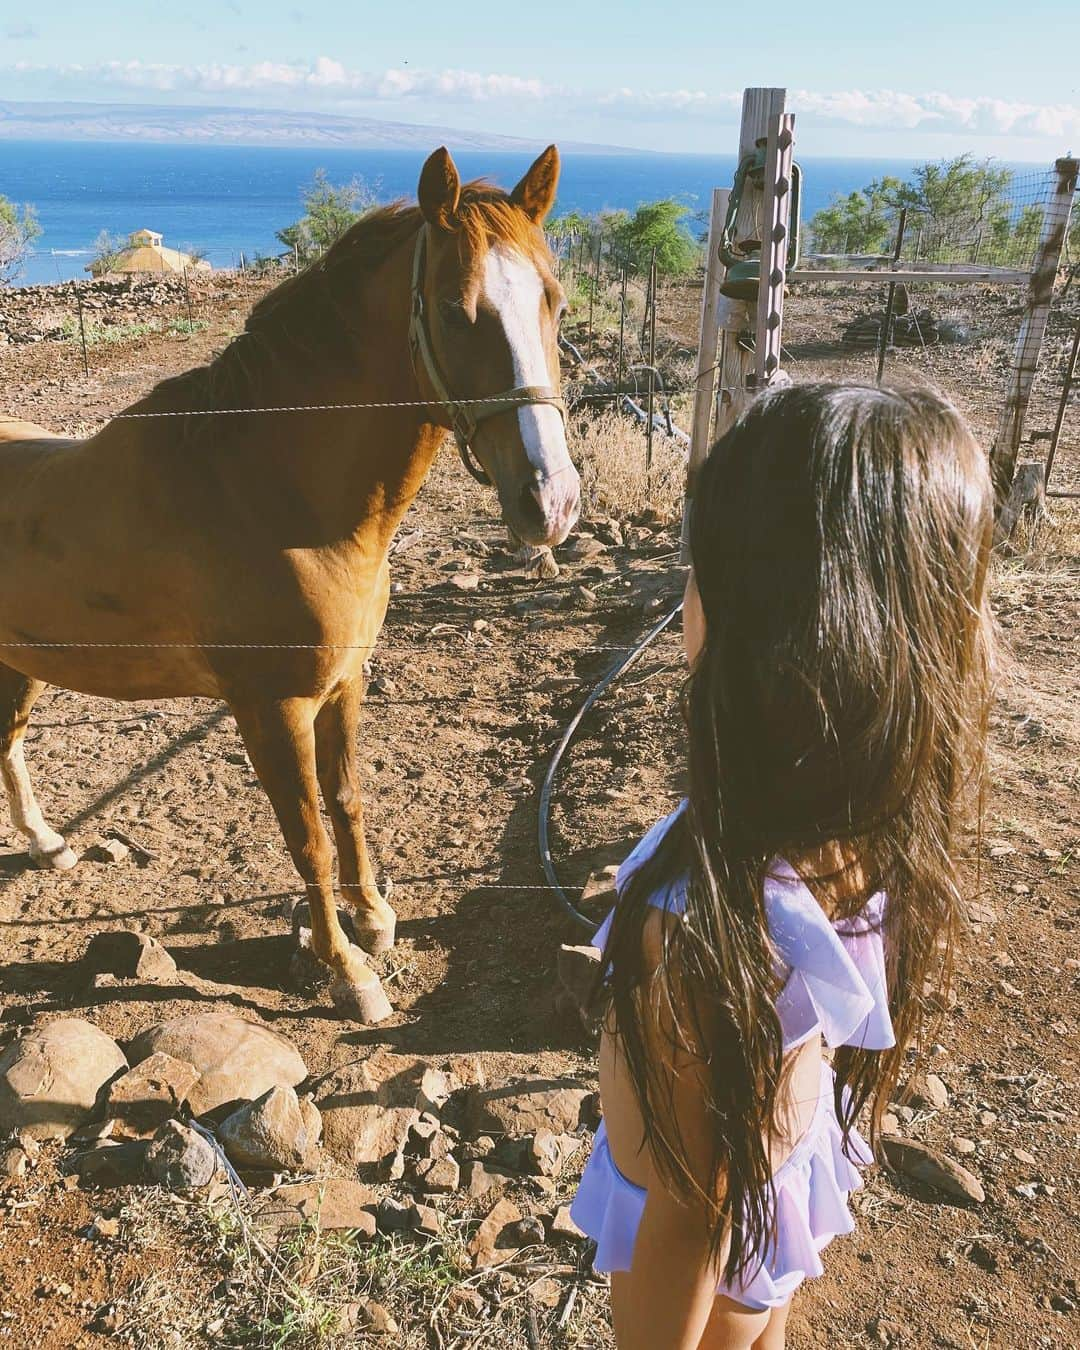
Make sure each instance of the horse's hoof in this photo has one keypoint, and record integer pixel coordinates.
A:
(57, 859)
(364, 1000)
(375, 938)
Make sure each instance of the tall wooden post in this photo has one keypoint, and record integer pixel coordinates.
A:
(775, 241)
(1025, 361)
(761, 108)
(708, 349)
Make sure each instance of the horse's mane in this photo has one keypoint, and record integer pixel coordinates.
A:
(304, 319)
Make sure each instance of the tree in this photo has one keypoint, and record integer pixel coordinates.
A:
(18, 229)
(958, 205)
(329, 210)
(861, 222)
(656, 225)
(105, 253)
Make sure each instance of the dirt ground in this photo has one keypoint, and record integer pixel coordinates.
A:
(477, 688)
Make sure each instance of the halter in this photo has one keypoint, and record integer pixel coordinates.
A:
(465, 415)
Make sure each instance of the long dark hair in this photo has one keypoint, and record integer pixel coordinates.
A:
(840, 537)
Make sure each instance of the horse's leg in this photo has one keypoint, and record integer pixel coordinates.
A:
(280, 738)
(335, 750)
(18, 694)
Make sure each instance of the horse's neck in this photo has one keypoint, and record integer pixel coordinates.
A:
(351, 473)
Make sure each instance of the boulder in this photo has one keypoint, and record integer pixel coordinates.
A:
(52, 1078)
(130, 956)
(525, 1107)
(439, 1176)
(549, 1153)
(563, 1226)
(478, 1180)
(180, 1158)
(151, 1092)
(268, 1133)
(238, 1060)
(930, 1093)
(336, 1204)
(933, 1169)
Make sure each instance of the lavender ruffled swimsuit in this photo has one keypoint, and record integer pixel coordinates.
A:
(835, 987)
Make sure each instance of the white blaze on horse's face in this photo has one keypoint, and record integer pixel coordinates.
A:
(544, 508)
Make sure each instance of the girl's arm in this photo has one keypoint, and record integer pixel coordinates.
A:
(667, 1297)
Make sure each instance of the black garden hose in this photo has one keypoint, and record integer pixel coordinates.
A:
(623, 664)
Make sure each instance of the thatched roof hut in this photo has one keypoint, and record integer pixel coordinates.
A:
(145, 253)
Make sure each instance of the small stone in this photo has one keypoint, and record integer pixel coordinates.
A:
(427, 1222)
(1023, 1156)
(548, 1153)
(528, 1232)
(987, 1119)
(1026, 1191)
(181, 1159)
(464, 581)
(1010, 990)
(439, 1176)
(129, 956)
(890, 1123)
(151, 1092)
(931, 1093)
(963, 1146)
(268, 1133)
(107, 851)
(563, 1226)
(1002, 960)
(376, 1320)
(478, 1180)
(494, 1240)
(13, 1163)
(600, 886)
(103, 1228)
(582, 548)
(395, 1216)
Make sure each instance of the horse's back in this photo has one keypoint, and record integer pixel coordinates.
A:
(15, 429)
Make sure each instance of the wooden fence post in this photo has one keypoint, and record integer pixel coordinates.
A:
(760, 109)
(1025, 361)
(708, 349)
(775, 242)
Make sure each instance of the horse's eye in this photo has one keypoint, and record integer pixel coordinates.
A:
(454, 314)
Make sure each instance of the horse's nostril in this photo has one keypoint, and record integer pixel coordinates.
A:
(529, 503)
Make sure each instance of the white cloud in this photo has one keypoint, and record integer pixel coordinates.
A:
(330, 80)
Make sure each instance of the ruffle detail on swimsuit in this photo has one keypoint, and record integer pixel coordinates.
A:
(812, 1187)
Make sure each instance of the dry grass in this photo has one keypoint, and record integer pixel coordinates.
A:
(610, 449)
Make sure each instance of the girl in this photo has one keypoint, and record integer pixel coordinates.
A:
(804, 895)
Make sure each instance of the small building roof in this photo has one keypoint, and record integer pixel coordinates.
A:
(145, 253)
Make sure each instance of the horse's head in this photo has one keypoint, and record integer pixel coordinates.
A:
(489, 319)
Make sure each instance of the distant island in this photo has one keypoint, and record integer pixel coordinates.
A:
(153, 123)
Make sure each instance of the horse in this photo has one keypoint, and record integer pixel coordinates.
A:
(244, 556)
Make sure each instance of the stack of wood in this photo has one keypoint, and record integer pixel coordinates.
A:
(909, 328)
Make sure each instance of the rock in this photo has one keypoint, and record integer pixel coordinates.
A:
(238, 1060)
(525, 1107)
(1023, 1156)
(478, 1180)
(336, 1204)
(107, 851)
(181, 1159)
(376, 1320)
(104, 1229)
(13, 1163)
(563, 1226)
(130, 956)
(930, 1093)
(268, 1133)
(52, 1078)
(527, 1232)
(549, 1153)
(890, 1123)
(369, 1106)
(965, 1147)
(395, 1216)
(113, 1164)
(151, 1092)
(933, 1169)
(464, 581)
(494, 1240)
(439, 1175)
(427, 1221)
(312, 1119)
(583, 548)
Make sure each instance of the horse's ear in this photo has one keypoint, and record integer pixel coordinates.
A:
(440, 189)
(535, 194)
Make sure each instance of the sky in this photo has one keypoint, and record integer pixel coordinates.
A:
(925, 79)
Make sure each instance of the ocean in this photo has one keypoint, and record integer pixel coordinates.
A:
(228, 200)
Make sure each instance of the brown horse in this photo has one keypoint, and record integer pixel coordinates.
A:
(244, 556)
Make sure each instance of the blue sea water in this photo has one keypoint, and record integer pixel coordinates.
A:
(225, 200)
